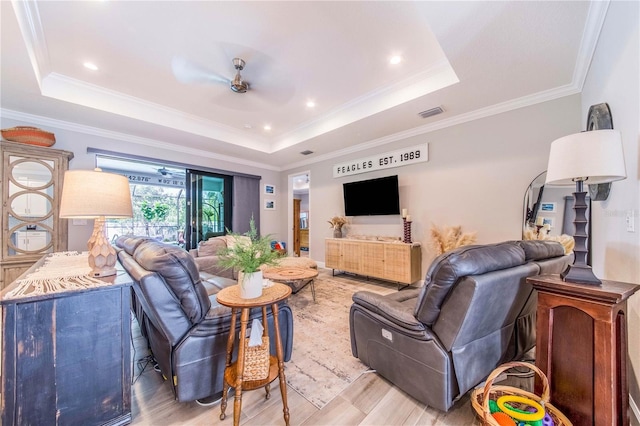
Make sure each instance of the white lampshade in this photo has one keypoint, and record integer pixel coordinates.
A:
(93, 193)
(595, 157)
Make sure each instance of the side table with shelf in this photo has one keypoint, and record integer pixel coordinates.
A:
(234, 371)
(581, 345)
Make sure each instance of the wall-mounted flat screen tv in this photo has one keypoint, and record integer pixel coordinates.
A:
(372, 197)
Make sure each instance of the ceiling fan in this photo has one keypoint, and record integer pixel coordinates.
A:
(170, 173)
(165, 172)
(190, 72)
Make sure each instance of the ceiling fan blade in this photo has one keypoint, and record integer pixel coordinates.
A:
(187, 72)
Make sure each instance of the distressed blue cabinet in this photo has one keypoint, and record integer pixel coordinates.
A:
(66, 357)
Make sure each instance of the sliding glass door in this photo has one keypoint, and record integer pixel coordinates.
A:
(208, 206)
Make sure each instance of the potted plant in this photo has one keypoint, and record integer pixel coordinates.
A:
(246, 254)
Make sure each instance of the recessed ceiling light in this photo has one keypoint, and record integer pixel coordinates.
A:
(311, 104)
(91, 66)
(395, 60)
(267, 127)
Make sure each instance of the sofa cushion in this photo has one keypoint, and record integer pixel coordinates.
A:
(130, 243)
(540, 249)
(232, 240)
(179, 272)
(212, 246)
(213, 283)
(395, 307)
(451, 266)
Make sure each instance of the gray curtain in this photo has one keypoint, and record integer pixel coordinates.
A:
(246, 202)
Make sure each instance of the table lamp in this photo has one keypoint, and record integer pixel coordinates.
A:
(94, 194)
(589, 157)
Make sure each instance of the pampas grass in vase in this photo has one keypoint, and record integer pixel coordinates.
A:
(450, 237)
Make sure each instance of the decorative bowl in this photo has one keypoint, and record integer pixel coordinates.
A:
(29, 135)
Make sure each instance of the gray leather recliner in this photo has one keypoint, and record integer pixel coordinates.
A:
(475, 312)
(187, 330)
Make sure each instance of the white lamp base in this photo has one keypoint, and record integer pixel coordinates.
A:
(102, 255)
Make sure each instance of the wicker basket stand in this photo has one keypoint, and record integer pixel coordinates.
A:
(480, 397)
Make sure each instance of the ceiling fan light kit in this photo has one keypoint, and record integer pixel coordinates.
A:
(237, 85)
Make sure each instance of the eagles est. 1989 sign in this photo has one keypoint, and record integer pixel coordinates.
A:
(387, 160)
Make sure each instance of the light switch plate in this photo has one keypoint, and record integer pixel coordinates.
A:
(630, 221)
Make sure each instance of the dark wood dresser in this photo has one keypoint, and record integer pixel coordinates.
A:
(581, 345)
(66, 356)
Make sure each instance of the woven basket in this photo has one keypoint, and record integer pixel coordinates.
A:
(29, 135)
(256, 360)
(481, 396)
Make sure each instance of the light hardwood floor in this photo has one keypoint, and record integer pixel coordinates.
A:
(369, 400)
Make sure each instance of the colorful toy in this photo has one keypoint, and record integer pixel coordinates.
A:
(520, 414)
(493, 406)
(503, 419)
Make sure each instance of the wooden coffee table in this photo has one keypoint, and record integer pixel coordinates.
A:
(296, 278)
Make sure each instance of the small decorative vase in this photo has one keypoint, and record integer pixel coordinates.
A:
(337, 232)
(250, 285)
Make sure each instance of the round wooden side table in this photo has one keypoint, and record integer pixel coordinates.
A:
(294, 277)
(234, 371)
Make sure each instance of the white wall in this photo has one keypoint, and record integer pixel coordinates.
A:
(270, 221)
(476, 176)
(613, 78)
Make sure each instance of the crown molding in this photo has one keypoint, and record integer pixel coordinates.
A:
(71, 90)
(28, 17)
(437, 77)
(592, 28)
(95, 131)
(525, 101)
(68, 89)
(31, 28)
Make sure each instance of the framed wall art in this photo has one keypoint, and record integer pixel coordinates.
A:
(269, 204)
(269, 189)
(548, 207)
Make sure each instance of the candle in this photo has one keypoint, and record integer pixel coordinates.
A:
(540, 221)
(404, 212)
(408, 218)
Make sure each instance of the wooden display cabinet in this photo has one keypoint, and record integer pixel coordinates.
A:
(31, 187)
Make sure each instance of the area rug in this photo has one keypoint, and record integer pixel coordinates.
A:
(321, 364)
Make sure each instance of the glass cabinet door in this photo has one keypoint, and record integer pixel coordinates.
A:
(30, 206)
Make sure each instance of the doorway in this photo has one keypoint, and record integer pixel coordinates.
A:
(208, 206)
(299, 206)
(175, 205)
